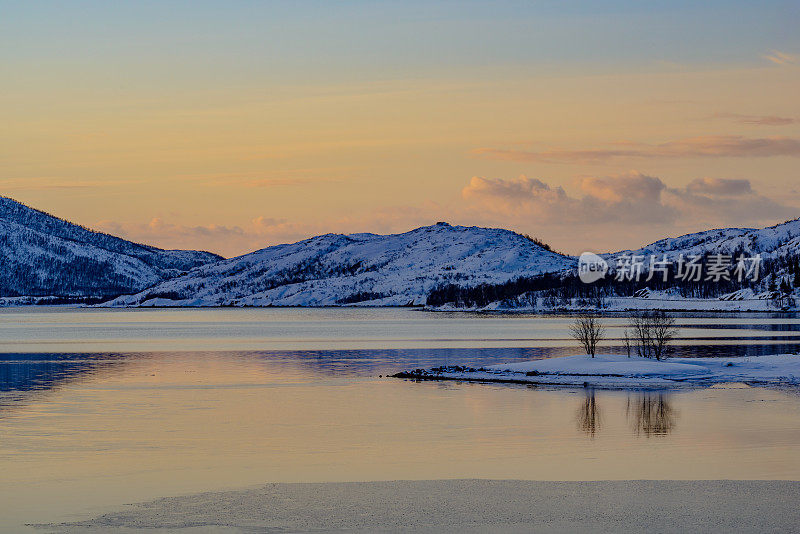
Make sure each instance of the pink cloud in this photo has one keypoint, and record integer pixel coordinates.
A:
(781, 58)
(719, 186)
(627, 199)
(631, 186)
(263, 231)
(600, 213)
(761, 120)
(515, 193)
(717, 146)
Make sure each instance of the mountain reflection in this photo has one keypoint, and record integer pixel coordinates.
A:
(651, 414)
(589, 417)
(23, 375)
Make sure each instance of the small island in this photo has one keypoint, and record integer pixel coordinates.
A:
(618, 371)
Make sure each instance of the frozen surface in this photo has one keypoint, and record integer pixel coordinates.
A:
(469, 506)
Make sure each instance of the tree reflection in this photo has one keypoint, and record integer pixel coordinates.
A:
(651, 414)
(588, 416)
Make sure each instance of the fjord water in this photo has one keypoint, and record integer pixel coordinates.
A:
(103, 407)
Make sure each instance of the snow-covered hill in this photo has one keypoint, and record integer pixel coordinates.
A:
(774, 241)
(440, 265)
(365, 269)
(402, 269)
(41, 255)
(767, 279)
(774, 285)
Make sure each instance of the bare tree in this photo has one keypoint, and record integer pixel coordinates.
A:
(641, 335)
(587, 331)
(664, 332)
(626, 340)
(653, 333)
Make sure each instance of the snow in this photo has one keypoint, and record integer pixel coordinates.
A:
(619, 371)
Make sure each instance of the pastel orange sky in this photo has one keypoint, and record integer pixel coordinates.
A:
(233, 126)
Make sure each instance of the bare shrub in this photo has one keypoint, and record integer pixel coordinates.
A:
(587, 331)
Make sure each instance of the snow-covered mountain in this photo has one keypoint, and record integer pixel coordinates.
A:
(774, 241)
(41, 255)
(368, 269)
(775, 285)
(441, 265)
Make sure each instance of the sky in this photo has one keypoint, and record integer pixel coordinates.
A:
(232, 126)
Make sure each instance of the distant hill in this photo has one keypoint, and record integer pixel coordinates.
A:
(774, 285)
(452, 267)
(365, 269)
(775, 241)
(42, 255)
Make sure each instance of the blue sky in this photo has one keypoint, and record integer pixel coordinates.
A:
(309, 40)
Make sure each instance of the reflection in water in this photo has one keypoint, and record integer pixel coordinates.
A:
(651, 414)
(22, 376)
(100, 428)
(589, 418)
(28, 372)
(769, 327)
(23, 372)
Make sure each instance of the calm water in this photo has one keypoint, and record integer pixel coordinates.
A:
(103, 407)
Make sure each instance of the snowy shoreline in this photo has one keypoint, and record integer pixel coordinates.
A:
(613, 371)
(690, 306)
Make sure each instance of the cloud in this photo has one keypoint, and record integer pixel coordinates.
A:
(624, 198)
(631, 186)
(708, 211)
(719, 186)
(596, 212)
(716, 146)
(51, 183)
(278, 182)
(270, 182)
(159, 227)
(271, 178)
(629, 198)
(225, 240)
(514, 194)
(781, 58)
(263, 231)
(632, 199)
(761, 120)
(178, 236)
